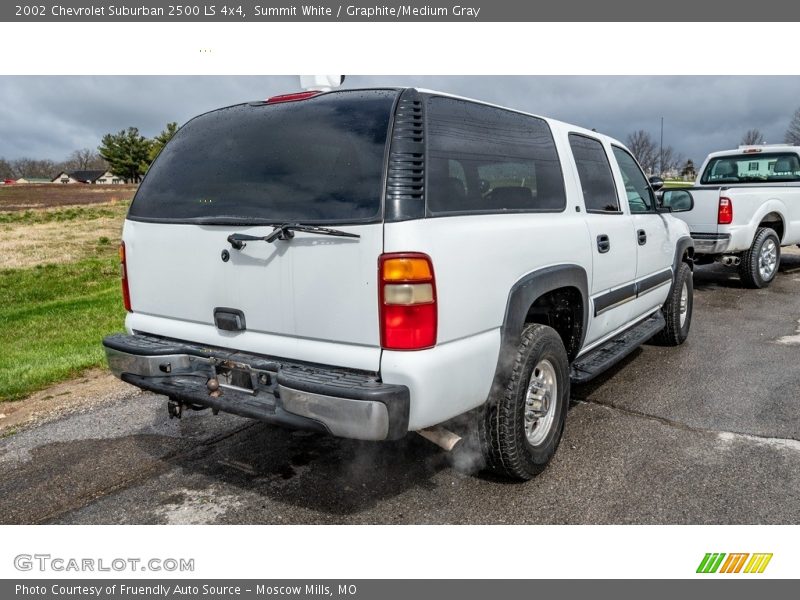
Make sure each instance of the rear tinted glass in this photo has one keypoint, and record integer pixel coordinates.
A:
(486, 159)
(313, 161)
(753, 167)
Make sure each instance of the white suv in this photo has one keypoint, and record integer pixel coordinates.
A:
(373, 262)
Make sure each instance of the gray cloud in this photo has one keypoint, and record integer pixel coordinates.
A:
(48, 117)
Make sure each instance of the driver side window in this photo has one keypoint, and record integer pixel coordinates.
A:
(640, 194)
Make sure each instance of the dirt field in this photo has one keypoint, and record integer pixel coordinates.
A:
(60, 235)
(25, 197)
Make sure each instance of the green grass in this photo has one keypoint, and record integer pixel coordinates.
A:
(52, 319)
(671, 184)
(84, 213)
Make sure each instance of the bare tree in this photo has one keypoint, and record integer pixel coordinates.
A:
(670, 160)
(793, 133)
(84, 159)
(752, 137)
(6, 170)
(654, 160)
(644, 149)
(30, 167)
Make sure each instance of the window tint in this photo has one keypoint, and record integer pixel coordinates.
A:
(597, 181)
(640, 195)
(486, 159)
(314, 161)
(752, 168)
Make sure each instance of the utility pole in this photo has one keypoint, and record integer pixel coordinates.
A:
(661, 151)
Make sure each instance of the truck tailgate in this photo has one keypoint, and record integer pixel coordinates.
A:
(703, 217)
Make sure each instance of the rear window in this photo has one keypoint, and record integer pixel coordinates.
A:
(486, 159)
(753, 168)
(313, 161)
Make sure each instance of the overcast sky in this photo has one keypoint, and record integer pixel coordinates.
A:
(48, 117)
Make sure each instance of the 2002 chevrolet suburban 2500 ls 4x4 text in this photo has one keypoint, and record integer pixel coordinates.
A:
(374, 262)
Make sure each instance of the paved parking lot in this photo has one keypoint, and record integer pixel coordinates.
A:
(705, 433)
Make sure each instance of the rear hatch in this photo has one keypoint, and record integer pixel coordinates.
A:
(243, 170)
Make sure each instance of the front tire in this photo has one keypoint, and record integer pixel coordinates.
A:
(759, 265)
(520, 430)
(677, 310)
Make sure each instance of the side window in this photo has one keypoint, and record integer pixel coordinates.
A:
(486, 159)
(594, 171)
(640, 195)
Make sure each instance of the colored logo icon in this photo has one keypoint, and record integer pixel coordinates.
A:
(741, 562)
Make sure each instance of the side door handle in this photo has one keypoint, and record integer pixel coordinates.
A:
(641, 235)
(603, 243)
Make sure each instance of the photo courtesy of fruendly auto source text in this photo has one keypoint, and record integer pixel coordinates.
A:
(528, 270)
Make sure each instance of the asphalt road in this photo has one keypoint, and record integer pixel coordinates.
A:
(704, 433)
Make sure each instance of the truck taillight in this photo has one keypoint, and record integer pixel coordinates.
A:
(126, 293)
(725, 212)
(407, 299)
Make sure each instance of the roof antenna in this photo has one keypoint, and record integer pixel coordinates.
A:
(320, 83)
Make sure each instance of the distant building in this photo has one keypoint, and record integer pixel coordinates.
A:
(33, 180)
(688, 171)
(93, 177)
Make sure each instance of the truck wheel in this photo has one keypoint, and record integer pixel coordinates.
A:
(677, 309)
(759, 264)
(522, 425)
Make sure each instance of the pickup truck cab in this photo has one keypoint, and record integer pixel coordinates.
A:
(373, 262)
(746, 206)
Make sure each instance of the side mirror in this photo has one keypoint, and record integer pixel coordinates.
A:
(677, 200)
(656, 183)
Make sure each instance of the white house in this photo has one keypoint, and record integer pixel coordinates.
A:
(94, 177)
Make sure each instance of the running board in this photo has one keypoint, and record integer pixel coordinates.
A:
(603, 357)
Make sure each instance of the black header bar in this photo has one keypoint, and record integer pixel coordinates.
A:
(672, 14)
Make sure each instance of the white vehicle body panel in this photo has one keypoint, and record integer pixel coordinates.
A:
(314, 300)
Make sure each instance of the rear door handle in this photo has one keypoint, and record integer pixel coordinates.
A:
(642, 237)
(603, 243)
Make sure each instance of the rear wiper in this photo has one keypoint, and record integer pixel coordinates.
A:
(284, 232)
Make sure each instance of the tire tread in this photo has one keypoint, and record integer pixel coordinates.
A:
(748, 265)
(499, 430)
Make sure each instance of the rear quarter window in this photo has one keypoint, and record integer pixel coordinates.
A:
(489, 160)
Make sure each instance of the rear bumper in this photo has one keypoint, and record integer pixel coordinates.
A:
(345, 403)
(711, 243)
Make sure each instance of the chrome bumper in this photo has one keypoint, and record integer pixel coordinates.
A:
(711, 243)
(345, 403)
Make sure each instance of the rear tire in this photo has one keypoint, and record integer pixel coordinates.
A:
(677, 309)
(520, 430)
(759, 265)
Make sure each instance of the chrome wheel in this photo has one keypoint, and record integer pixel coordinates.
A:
(768, 259)
(540, 402)
(684, 305)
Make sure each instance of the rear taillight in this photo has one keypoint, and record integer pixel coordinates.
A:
(126, 293)
(407, 293)
(725, 212)
(292, 97)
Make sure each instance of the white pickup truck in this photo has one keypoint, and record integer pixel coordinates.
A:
(746, 206)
